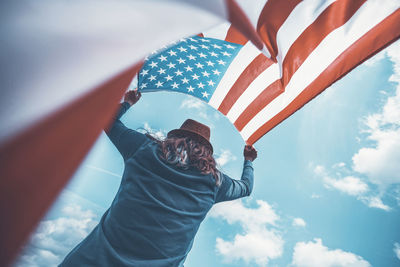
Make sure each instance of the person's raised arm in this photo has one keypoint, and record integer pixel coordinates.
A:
(126, 140)
(231, 189)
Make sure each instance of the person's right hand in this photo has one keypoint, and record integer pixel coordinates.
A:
(132, 97)
(249, 153)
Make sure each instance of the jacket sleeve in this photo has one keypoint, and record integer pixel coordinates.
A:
(231, 189)
(126, 140)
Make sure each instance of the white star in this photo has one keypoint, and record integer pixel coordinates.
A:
(216, 72)
(180, 60)
(221, 62)
(144, 72)
(184, 80)
(188, 68)
(211, 83)
(172, 53)
(171, 65)
(153, 64)
(216, 46)
(206, 74)
(154, 52)
(182, 49)
(204, 46)
(169, 77)
(161, 71)
(193, 40)
(175, 85)
(205, 94)
(143, 85)
(199, 65)
(195, 77)
(209, 63)
(193, 47)
(162, 58)
(152, 77)
(190, 89)
(213, 54)
(191, 57)
(178, 73)
(229, 46)
(204, 40)
(159, 84)
(200, 85)
(226, 54)
(183, 40)
(202, 55)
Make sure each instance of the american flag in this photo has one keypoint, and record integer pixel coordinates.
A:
(308, 46)
(193, 66)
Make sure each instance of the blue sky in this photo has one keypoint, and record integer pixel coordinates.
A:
(327, 180)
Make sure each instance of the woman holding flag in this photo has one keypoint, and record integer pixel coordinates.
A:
(167, 188)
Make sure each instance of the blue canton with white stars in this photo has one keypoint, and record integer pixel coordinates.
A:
(192, 66)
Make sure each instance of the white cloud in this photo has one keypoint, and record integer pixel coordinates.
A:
(315, 254)
(224, 157)
(320, 170)
(350, 185)
(396, 250)
(260, 242)
(375, 202)
(160, 134)
(315, 196)
(192, 103)
(54, 239)
(380, 161)
(339, 165)
(299, 222)
(195, 103)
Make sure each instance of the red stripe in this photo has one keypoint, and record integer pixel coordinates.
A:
(369, 44)
(252, 71)
(239, 19)
(269, 94)
(333, 17)
(336, 15)
(235, 36)
(37, 164)
(273, 15)
(200, 34)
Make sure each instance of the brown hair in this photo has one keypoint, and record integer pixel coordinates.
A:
(185, 152)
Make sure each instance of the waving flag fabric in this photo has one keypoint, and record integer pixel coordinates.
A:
(67, 62)
(308, 46)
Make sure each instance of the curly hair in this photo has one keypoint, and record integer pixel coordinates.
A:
(187, 152)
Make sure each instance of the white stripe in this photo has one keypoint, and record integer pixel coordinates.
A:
(218, 32)
(245, 56)
(257, 86)
(368, 16)
(304, 14)
(252, 9)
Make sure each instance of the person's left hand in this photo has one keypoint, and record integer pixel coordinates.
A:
(132, 97)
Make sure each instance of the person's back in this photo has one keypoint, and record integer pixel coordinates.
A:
(160, 203)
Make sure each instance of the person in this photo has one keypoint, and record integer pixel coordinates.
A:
(167, 188)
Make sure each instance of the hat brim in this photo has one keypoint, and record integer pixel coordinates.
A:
(193, 135)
